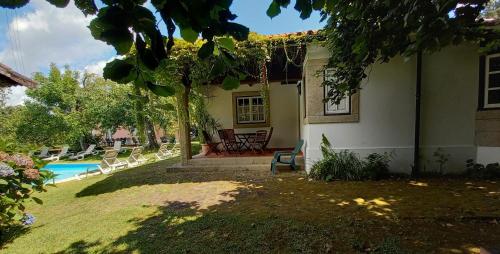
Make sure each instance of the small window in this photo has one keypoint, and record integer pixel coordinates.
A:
(250, 109)
(344, 107)
(492, 81)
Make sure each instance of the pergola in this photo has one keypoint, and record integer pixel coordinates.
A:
(9, 77)
(279, 69)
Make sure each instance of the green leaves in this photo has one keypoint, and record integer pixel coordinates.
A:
(239, 32)
(120, 39)
(119, 71)
(206, 50)
(304, 7)
(188, 34)
(145, 55)
(112, 26)
(59, 3)
(164, 91)
(318, 4)
(227, 43)
(230, 82)
(88, 7)
(12, 4)
(273, 10)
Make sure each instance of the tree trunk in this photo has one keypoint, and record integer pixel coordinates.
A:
(153, 144)
(139, 116)
(184, 125)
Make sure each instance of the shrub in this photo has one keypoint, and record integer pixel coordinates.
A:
(20, 177)
(346, 165)
(480, 171)
(376, 166)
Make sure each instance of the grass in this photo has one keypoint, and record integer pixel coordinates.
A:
(151, 210)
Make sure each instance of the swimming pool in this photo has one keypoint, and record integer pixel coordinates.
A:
(66, 171)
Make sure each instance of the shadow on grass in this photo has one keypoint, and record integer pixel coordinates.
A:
(80, 247)
(150, 174)
(182, 228)
(233, 213)
(10, 233)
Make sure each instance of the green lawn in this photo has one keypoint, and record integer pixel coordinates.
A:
(150, 210)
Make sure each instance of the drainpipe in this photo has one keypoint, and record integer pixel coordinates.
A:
(416, 152)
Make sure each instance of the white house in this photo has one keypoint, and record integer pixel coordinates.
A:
(460, 109)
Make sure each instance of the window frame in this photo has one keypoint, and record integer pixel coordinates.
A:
(252, 94)
(486, 74)
(250, 105)
(325, 92)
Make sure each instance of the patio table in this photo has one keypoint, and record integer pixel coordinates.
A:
(245, 138)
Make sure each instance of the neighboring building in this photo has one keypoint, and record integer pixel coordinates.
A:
(9, 77)
(460, 109)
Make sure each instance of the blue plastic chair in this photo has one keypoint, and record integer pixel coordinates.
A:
(278, 154)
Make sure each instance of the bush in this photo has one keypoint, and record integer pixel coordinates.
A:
(480, 171)
(346, 165)
(20, 177)
(376, 166)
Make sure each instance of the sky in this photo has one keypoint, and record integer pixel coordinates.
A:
(38, 34)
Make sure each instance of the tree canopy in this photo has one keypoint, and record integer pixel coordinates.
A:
(364, 32)
(359, 32)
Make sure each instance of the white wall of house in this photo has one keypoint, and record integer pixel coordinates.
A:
(283, 111)
(387, 111)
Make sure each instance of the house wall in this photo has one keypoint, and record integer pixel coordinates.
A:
(488, 136)
(283, 111)
(387, 110)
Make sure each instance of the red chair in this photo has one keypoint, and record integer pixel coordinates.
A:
(231, 144)
(258, 141)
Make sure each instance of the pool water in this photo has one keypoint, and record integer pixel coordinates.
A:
(65, 171)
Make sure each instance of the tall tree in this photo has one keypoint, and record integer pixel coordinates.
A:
(492, 10)
(3, 97)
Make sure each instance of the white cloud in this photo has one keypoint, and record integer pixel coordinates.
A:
(97, 68)
(17, 95)
(51, 35)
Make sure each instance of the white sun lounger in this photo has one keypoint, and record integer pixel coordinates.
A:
(117, 146)
(164, 152)
(110, 162)
(57, 157)
(136, 158)
(81, 155)
(44, 152)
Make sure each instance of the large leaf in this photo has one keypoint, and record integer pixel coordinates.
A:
(120, 39)
(218, 68)
(144, 20)
(230, 82)
(164, 91)
(145, 55)
(304, 7)
(273, 10)
(318, 4)
(206, 50)
(88, 7)
(188, 34)
(227, 43)
(59, 3)
(12, 4)
(119, 71)
(239, 32)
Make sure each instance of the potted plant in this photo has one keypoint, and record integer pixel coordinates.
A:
(205, 122)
